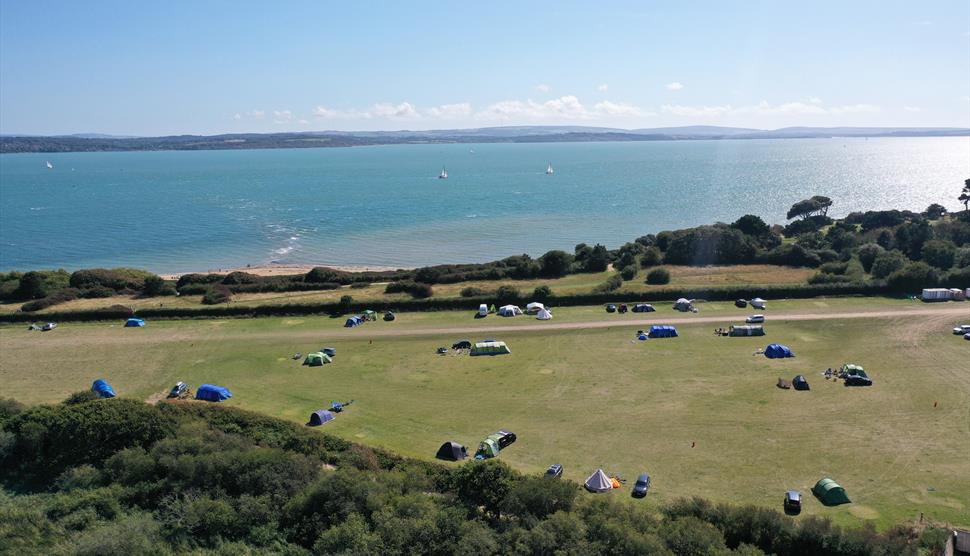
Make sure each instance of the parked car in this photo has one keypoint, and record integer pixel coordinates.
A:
(554, 471)
(52, 325)
(641, 487)
(793, 502)
(755, 319)
(962, 329)
(855, 375)
(505, 439)
(643, 308)
(180, 390)
(741, 303)
(611, 308)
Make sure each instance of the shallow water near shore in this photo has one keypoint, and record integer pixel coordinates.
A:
(384, 206)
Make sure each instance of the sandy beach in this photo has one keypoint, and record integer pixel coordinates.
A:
(280, 270)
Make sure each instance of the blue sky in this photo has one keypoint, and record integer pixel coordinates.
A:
(152, 68)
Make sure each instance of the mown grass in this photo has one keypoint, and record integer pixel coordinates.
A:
(586, 398)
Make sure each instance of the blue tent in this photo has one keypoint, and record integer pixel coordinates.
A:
(778, 351)
(642, 337)
(320, 417)
(135, 322)
(103, 389)
(353, 321)
(663, 331)
(212, 393)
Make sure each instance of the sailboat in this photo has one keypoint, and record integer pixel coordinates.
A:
(49, 165)
(444, 174)
(549, 170)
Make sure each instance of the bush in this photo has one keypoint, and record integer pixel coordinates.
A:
(939, 253)
(62, 296)
(237, 277)
(629, 272)
(555, 264)
(613, 283)
(40, 284)
(81, 397)
(867, 254)
(117, 279)
(912, 278)
(961, 258)
(651, 257)
(658, 276)
(472, 291)
(542, 292)
(888, 262)
(507, 292)
(97, 292)
(416, 289)
(217, 294)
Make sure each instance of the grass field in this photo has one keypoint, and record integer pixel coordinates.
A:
(589, 397)
(681, 277)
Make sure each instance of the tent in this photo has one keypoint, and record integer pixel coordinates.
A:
(683, 304)
(642, 337)
(487, 449)
(830, 493)
(353, 321)
(784, 384)
(800, 383)
(317, 359)
(452, 451)
(663, 331)
(758, 303)
(212, 393)
(103, 389)
(132, 322)
(320, 417)
(490, 348)
(544, 314)
(509, 311)
(598, 482)
(534, 307)
(778, 351)
(389, 316)
(746, 330)
(643, 308)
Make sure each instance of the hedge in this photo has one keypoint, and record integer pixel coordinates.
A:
(459, 303)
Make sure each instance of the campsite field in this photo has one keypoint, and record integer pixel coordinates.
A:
(587, 396)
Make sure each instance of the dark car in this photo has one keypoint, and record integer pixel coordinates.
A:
(854, 375)
(180, 390)
(506, 439)
(332, 352)
(462, 344)
(793, 502)
(554, 471)
(643, 308)
(611, 308)
(741, 303)
(641, 487)
(622, 308)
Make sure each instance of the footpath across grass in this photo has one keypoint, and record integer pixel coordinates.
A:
(700, 413)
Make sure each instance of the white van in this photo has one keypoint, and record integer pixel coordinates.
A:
(755, 319)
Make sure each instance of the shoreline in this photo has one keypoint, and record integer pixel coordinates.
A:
(282, 270)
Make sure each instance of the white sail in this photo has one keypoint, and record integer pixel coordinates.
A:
(444, 174)
(549, 169)
(49, 165)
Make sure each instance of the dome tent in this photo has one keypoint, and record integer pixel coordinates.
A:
(778, 351)
(509, 311)
(103, 389)
(133, 322)
(316, 359)
(544, 314)
(452, 451)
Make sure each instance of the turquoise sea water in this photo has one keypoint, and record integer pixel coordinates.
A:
(182, 211)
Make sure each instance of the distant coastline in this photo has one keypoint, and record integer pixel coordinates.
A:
(515, 134)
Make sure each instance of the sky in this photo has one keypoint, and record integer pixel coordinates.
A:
(211, 66)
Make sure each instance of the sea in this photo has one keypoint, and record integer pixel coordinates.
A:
(384, 206)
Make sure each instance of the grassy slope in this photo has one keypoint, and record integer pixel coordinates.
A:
(681, 277)
(586, 398)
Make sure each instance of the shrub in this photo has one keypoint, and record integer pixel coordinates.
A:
(507, 292)
(187, 279)
(961, 259)
(555, 264)
(912, 278)
(613, 283)
(751, 225)
(867, 254)
(81, 397)
(416, 289)
(41, 283)
(62, 296)
(658, 276)
(888, 262)
(115, 278)
(238, 277)
(217, 294)
(343, 306)
(791, 255)
(542, 292)
(938, 253)
(472, 291)
(97, 292)
(359, 285)
(651, 257)
(629, 272)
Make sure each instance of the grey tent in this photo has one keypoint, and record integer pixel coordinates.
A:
(598, 482)
(320, 417)
(452, 451)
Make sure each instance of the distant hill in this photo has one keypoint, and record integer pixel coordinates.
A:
(511, 134)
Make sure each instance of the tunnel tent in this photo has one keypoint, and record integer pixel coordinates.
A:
(452, 451)
(321, 417)
(509, 311)
(534, 307)
(488, 448)
(663, 331)
(103, 389)
(212, 393)
(598, 482)
(830, 493)
(778, 351)
(353, 322)
(317, 359)
(490, 348)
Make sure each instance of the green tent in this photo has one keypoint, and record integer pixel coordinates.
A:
(830, 493)
(316, 359)
(490, 348)
(492, 308)
(487, 449)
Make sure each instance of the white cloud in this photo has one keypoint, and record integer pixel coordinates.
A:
(395, 111)
(562, 108)
(607, 108)
(675, 86)
(255, 114)
(603, 88)
(303, 122)
(764, 108)
(814, 100)
(543, 88)
(237, 116)
(696, 111)
(853, 109)
(326, 113)
(912, 108)
(282, 116)
(448, 111)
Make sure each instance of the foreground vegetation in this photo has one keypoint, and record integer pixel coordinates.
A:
(698, 412)
(120, 477)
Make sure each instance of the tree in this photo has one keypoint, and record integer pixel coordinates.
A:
(886, 263)
(938, 253)
(751, 225)
(913, 277)
(867, 255)
(598, 260)
(483, 484)
(651, 257)
(542, 292)
(818, 205)
(555, 264)
(965, 195)
(935, 211)
(507, 292)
